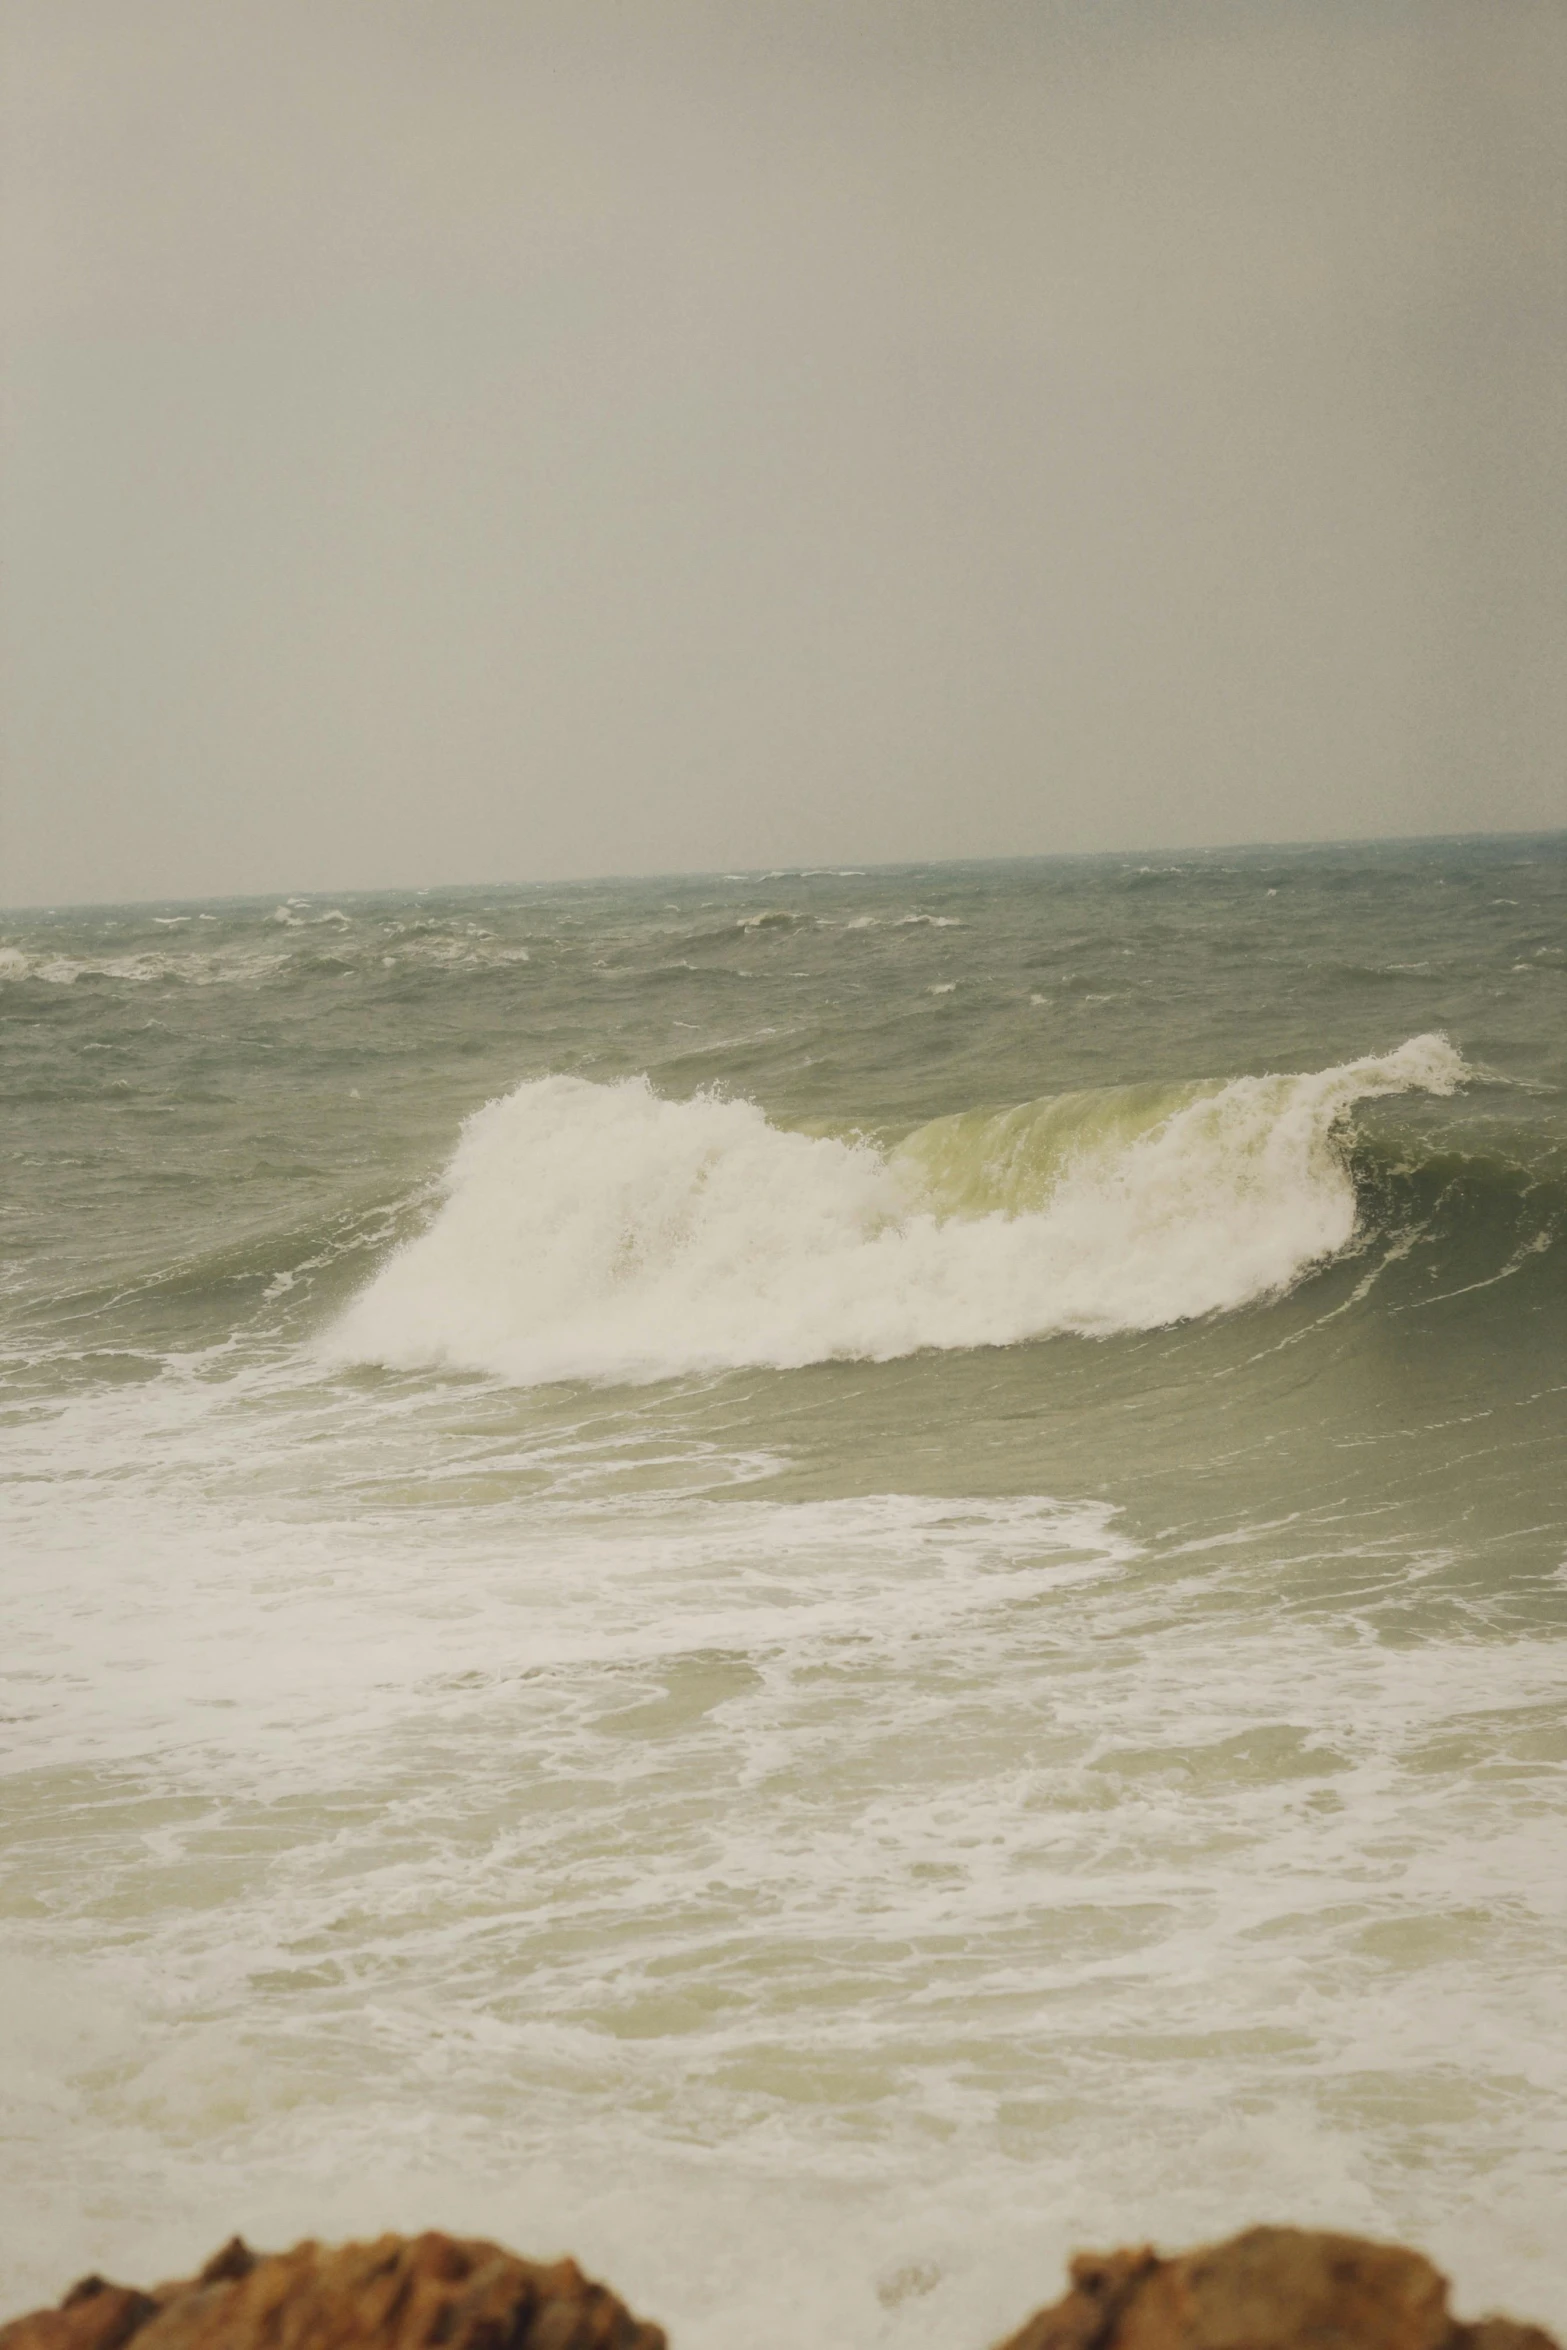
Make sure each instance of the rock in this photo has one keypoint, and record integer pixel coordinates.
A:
(399, 2293)
(1269, 2289)
(93, 2316)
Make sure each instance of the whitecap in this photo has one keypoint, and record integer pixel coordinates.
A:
(599, 1231)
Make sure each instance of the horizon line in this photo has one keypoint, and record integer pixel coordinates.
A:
(800, 871)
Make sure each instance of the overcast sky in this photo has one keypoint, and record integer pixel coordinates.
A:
(473, 440)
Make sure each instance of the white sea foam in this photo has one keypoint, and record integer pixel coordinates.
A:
(243, 963)
(599, 1231)
(144, 969)
(734, 1891)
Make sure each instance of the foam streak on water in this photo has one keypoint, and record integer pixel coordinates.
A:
(816, 1586)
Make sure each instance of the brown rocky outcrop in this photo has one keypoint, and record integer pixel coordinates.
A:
(1269, 2289)
(399, 2293)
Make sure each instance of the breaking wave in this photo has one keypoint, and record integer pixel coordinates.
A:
(600, 1231)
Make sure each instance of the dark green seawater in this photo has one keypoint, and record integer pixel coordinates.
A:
(816, 1582)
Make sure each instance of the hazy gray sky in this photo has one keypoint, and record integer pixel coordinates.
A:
(473, 440)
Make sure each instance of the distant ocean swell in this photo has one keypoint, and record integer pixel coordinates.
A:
(599, 1231)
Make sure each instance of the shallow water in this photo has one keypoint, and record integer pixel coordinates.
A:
(903, 1611)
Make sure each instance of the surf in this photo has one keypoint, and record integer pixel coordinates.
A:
(604, 1232)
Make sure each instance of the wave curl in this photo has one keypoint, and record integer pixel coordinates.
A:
(600, 1231)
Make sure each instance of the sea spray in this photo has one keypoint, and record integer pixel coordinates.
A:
(600, 1231)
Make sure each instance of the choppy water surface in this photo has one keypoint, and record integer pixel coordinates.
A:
(813, 1582)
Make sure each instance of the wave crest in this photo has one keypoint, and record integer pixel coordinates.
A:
(599, 1231)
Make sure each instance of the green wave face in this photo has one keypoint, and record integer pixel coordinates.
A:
(1009, 1162)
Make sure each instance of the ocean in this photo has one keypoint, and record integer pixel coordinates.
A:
(816, 1583)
